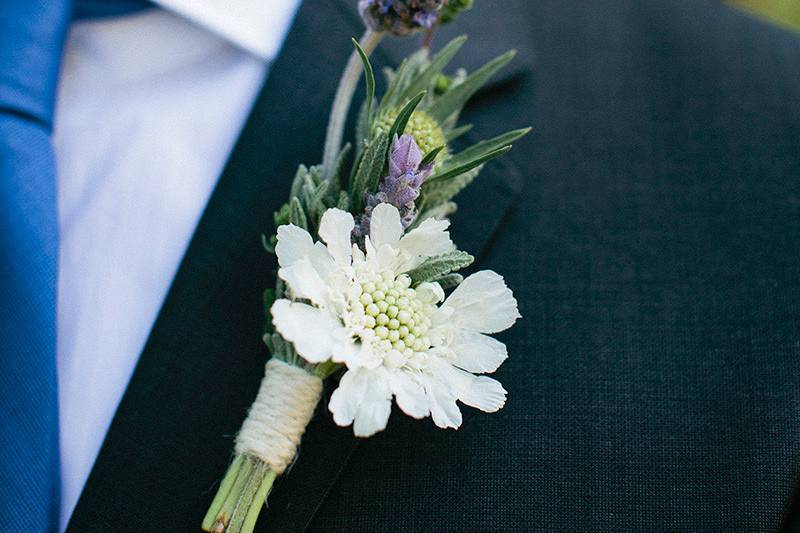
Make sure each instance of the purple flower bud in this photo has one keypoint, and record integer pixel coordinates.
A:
(405, 178)
(400, 17)
(401, 187)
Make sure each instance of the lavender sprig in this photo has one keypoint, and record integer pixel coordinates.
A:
(401, 187)
(400, 17)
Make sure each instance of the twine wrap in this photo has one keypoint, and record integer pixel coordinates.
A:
(279, 416)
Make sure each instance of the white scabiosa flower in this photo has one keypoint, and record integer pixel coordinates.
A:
(396, 340)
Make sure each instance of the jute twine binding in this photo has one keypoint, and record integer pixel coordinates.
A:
(279, 416)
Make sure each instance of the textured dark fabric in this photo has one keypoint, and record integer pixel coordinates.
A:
(650, 228)
(97, 9)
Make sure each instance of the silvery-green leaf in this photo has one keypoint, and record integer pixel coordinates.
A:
(268, 245)
(281, 216)
(336, 181)
(452, 101)
(449, 281)
(369, 77)
(363, 129)
(296, 214)
(369, 170)
(269, 299)
(344, 201)
(299, 179)
(437, 266)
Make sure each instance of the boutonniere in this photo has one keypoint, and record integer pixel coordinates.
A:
(368, 287)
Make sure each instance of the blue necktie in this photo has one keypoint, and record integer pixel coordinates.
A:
(31, 39)
(31, 36)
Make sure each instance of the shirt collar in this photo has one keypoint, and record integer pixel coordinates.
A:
(257, 26)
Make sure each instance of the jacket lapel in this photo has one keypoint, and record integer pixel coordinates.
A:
(172, 436)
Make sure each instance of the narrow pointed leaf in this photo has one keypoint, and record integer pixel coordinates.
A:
(453, 100)
(455, 133)
(424, 80)
(467, 166)
(369, 77)
(400, 122)
(485, 147)
(431, 156)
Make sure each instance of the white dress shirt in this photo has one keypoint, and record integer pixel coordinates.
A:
(149, 107)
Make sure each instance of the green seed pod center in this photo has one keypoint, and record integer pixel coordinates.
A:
(426, 131)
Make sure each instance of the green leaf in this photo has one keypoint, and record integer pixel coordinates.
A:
(450, 281)
(296, 214)
(268, 246)
(269, 299)
(425, 79)
(344, 201)
(435, 196)
(400, 79)
(484, 147)
(441, 210)
(400, 122)
(316, 204)
(453, 100)
(339, 169)
(299, 179)
(369, 76)
(448, 173)
(363, 129)
(431, 156)
(455, 133)
(369, 170)
(281, 216)
(439, 265)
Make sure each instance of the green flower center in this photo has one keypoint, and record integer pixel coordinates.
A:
(426, 131)
(396, 314)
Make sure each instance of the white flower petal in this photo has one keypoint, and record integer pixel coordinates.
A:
(444, 410)
(385, 226)
(304, 281)
(294, 243)
(428, 239)
(481, 392)
(477, 353)
(373, 413)
(312, 330)
(363, 399)
(483, 303)
(348, 396)
(410, 394)
(335, 229)
(430, 293)
(484, 393)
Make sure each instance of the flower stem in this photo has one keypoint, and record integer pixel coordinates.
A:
(222, 493)
(223, 516)
(248, 503)
(258, 501)
(342, 100)
(240, 497)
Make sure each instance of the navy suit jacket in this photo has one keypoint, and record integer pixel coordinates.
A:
(650, 227)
